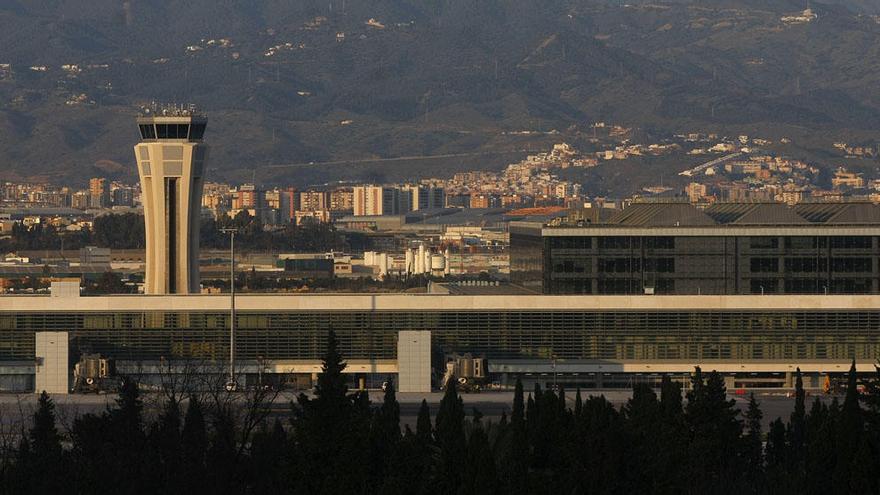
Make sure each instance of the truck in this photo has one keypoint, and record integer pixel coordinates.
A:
(468, 371)
(95, 373)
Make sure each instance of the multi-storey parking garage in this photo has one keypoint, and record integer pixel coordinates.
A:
(585, 340)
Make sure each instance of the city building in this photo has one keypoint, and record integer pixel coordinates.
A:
(376, 200)
(676, 248)
(171, 165)
(426, 197)
(342, 199)
(314, 201)
(248, 197)
(99, 193)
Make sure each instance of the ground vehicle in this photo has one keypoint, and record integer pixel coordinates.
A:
(94, 373)
(468, 371)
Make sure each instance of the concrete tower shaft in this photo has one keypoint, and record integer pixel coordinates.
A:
(171, 164)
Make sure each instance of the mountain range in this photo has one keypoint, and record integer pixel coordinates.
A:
(290, 86)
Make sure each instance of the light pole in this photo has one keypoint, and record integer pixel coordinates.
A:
(230, 383)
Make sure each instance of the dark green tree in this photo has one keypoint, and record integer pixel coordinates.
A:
(516, 464)
(194, 446)
(449, 432)
(714, 429)
(797, 436)
(481, 473)
(424, 430)
(753, 446)
(41, 464)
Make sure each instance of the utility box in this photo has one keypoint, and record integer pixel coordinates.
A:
(53, 363)
(414, 361)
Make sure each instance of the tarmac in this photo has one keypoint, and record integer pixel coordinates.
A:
(491, 404)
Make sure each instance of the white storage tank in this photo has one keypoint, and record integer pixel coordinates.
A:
(438, 264)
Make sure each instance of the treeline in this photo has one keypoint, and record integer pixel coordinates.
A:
(126, 231)
(254, 281)
(251, 235)
(338, 442)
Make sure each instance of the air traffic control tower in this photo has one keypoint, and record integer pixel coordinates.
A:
(171, 164)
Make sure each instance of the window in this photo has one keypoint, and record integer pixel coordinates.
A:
(660, 265)
(800, 242)
(851, 286)
(763, 286)
(618, 286)
(764, 265)
(763, 242)
(660, 242)
(664, 286)
(850, 265)
(851, 242)
(803, 286)
(182, 131)
(147, 131)
(614, 242)
(198, 131)
(570, 242)
(162, 131)
(802, 265)
(618, 265)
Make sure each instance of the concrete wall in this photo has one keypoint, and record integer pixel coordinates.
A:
(414, 361)
(53, 370)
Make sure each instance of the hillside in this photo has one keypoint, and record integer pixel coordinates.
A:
(316, 81)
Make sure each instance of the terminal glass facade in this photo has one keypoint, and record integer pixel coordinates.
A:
(711, 265)
(577, 334)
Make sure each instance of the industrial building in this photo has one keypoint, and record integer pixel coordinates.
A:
(677, 248)
(579, 340)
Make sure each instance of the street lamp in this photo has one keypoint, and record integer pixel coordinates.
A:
(230, 382)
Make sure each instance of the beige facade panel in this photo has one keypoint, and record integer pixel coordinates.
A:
(53, 369)
(432, 302)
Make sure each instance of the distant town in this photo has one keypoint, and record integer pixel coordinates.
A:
(432, 227)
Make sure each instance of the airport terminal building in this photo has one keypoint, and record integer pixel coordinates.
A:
(578, 340)
(751, 290)
(676, 248)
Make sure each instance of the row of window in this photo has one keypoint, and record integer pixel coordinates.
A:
(173, 131)
(836, 242)
(668, 242)
(568, 334)
(812, 286)
(811, 265)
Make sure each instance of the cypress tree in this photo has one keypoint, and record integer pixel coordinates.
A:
(849, 432)
(40, 461)
(194, 440)
(481, 471)
(775, 453)
(424, 431)
(753, 449)
(518, 414)
(330, 431)
(797, 436)
(517, 463)
(714, 428)
(451, 440)
(820, 457)
(390, 414)
(578, 404)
